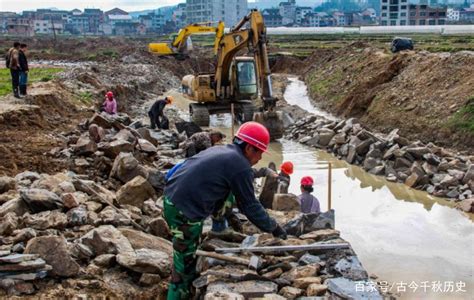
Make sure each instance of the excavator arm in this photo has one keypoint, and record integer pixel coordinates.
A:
(180, 40)
(255, 39)
(179, 43)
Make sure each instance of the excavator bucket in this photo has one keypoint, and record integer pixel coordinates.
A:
(160, 48)
(273, 120)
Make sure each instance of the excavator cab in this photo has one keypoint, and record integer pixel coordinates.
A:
(246, 77)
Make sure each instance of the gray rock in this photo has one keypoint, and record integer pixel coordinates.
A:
(429, 169)
(309, 259)
(374, 153)
(349, 289)
(18, 258)
(85, 146)
(325, 136)
(40, 200)
(127, 167)
(146, 147)
(453, 194)
(432, 159)
(110, 216)
(45, 220)
(418, 152)
(135, 192)
(114, 148)
(101, 121)
(53, 249)
(146, 261)
(140, 240)
(105, 260)
(248, 289)
(338, 139)
(448, 180)
(6, 184)
(77, 216)
(390, 152)
(401, 163)
(106, 239)
(149, 279)
(29, 265)
(8, 224)
(150, 208)
(466, 205)
(125, 135)
(469, 174)
(159, 227)
(145, 133)
(351, 154)
(370, 163)
(378, 170)
(351, 268)
(27, 175)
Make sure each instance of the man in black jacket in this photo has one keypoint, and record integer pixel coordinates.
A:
(157, 117)
(23, 62)
(13, 64)
(199, 188)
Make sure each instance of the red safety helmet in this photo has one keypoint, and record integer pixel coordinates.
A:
(109, 95)
(287, 167)
(307, 180)
(254, 134)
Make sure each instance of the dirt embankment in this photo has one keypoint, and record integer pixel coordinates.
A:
(31, 127)
(425, 95)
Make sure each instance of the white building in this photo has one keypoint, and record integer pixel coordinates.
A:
(288, 11)
(394, 12)
(301, 12)
(452, 14)
(229, 11)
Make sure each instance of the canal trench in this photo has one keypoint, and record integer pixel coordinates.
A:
(401, 235)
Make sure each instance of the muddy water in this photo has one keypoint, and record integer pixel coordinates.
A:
(404, 236)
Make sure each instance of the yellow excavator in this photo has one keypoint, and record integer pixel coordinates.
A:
(178, 45)
(242, 80)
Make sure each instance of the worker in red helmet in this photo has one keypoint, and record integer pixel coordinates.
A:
(110, 104)
(286, 169)
(308, 203)
(200, 187)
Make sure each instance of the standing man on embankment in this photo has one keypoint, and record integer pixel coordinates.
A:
(200, 187)
(13, 63)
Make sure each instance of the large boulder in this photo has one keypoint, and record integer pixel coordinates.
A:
(469, 174)
(146, 147)
(8, 224)
(286, 202)
(146, 261)
(53, 249)
(126, 167)
(106, 239)
(85, 146)
(139, 240)
(46, 219)
(16, 206)
(114, 148)
(40, 200)
(135, 192)
(125, 135)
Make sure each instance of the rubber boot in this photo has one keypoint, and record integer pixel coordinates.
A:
(15, 93)
(22, 90)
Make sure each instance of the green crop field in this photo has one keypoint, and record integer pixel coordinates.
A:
(35, 75)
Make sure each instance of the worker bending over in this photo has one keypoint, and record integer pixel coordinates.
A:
(156, 113)
(201, 141)
(200, 187)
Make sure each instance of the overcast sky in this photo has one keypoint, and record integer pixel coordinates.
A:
(127, 5)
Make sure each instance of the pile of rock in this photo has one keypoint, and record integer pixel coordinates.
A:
(90, 238)
(426, 167)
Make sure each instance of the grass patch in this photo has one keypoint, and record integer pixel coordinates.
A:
(463, 119)
(85, 97)
(35, 75)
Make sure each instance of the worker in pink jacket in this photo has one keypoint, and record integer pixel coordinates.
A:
(110, 104)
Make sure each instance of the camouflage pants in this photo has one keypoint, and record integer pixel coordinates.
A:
(186, 238)
(219, 220)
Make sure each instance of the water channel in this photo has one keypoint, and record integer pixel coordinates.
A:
(407, 237)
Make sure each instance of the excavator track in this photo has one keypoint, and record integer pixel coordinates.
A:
(199, 114)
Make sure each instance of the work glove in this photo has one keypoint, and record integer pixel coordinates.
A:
(234, 222)
(279, 232)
